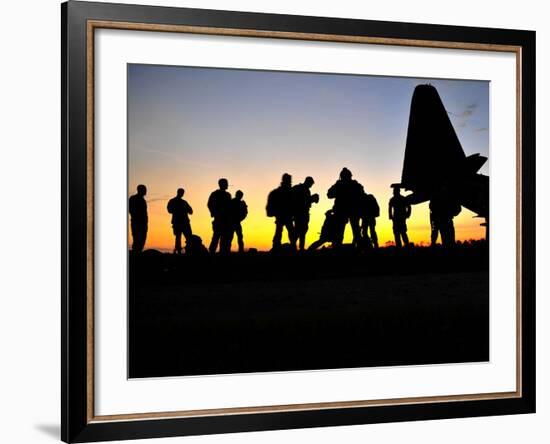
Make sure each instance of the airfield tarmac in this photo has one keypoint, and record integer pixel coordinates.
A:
(259, 312)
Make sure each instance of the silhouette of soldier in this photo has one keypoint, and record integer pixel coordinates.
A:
(370, 212)
(399, 212)
(347, 194)
(280, 206)
(303, 199)
(239, 211)
(443, 208)
(137, 206)
(328, 231)
(219, 204)
(180, 211)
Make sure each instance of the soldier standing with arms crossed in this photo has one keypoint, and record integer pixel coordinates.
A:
(219, 204)
(279, 206)
(137, 206)
(399, 212)
(180, 211)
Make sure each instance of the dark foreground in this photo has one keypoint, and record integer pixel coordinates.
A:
(257, 312)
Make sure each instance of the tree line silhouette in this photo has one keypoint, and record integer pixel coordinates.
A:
(290, 206)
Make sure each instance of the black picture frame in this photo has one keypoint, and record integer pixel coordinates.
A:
(77, 424)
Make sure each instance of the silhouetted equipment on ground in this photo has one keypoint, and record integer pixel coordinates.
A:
(219, 204)
(280, 206)
(180, 211)
(399, 211)
(434, 158)
(328, 231)
(347, 194)
(302, 201)
(239, 211)
(137, 206)
(369, 212)
(195, 247)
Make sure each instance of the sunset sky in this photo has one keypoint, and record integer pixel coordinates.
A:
(187, 127)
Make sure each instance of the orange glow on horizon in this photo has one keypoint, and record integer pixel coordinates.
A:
(258, 229)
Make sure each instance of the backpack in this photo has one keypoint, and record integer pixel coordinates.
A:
(170, 206)
(272, 203)
(243, 211)
(372, 205)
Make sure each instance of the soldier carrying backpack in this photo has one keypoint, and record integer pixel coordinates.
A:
(370, 211)
(239, 211)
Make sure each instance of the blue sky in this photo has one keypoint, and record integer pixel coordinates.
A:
(188, 126)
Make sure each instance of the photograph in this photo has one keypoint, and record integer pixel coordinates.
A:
(289, 221)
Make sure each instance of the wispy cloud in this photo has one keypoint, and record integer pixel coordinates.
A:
(158, 199)
(462, 117)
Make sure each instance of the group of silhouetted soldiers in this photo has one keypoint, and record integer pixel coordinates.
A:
(227, 214)
(290, 206)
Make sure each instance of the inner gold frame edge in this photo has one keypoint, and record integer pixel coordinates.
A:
(96, 24)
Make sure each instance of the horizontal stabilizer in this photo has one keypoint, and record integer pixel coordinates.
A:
(475, 162)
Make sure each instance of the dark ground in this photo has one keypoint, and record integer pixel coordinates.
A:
(259, 312)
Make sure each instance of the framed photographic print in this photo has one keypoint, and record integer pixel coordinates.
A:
(276, 221)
